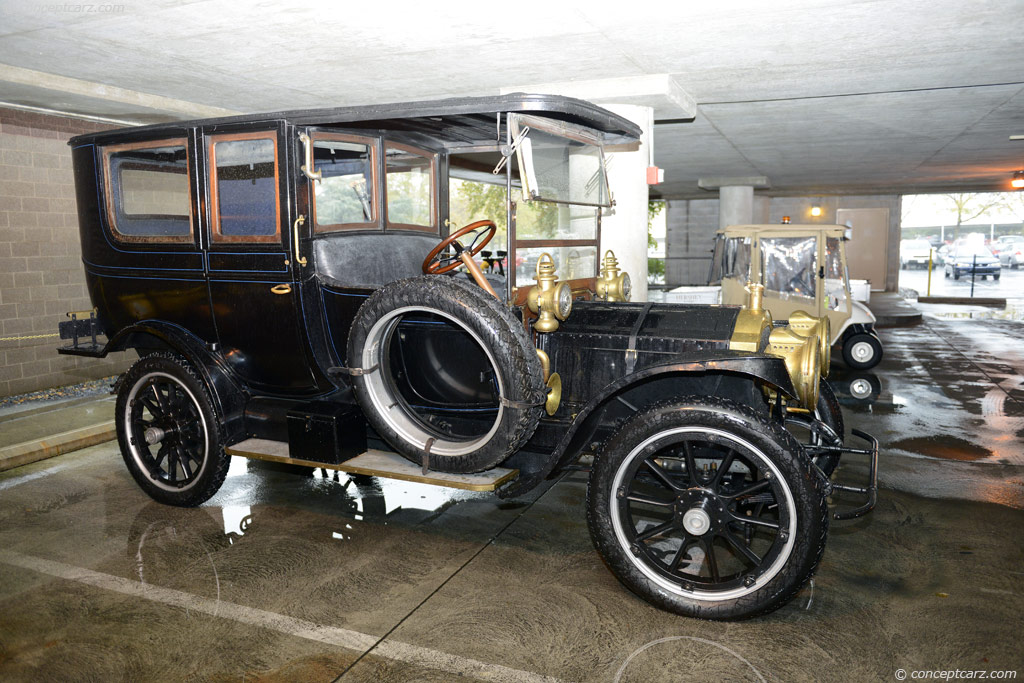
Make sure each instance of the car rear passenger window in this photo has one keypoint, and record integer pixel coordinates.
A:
(243, 183)
(345, 195)
(148, 191)
(410, 187)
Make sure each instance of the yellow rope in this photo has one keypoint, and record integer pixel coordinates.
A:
(31, 336)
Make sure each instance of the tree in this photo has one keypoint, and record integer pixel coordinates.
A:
(655, 266)
(971, 205)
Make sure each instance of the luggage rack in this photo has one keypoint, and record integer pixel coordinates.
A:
(77, 327)
(376, 463)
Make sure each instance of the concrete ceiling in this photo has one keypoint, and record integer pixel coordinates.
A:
(818, 96)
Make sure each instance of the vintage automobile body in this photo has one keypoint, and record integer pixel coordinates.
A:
(270, 271)
(802, 268)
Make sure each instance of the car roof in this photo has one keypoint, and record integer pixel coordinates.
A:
(783, 229)
(454, 122)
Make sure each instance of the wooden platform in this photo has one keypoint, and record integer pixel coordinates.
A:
(376, 463)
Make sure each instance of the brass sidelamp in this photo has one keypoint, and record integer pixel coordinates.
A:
(550, 299)
(613, 285)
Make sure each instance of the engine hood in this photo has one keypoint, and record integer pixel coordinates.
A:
(659, 328)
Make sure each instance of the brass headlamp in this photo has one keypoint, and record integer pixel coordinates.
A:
(613, 285)
(549, 299)
(803, 344)
(803, 362)
(805, 324)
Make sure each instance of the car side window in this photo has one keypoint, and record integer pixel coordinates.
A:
(147, 191)
(410, 187)
(243, 187)
(345, 197)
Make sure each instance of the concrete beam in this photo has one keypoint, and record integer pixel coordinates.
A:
(100, 91)
(758, 182)
(658, 91)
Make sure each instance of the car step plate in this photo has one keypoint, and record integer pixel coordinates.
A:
(376, 463)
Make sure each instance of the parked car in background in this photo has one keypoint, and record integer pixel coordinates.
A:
(939, 258)
(967, 257)
(1011, 251)
(915, 253)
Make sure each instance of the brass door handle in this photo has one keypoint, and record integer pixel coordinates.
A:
(295, 240)
(281, 289)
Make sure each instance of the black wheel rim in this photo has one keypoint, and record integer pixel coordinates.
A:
(167, 431)
(703, 513)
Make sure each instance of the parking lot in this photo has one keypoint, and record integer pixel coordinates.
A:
(1009, 285)
(287, 575)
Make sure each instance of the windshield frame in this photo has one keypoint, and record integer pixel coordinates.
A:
(586, 286)
(517, 123)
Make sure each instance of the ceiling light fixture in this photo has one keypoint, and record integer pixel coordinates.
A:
(815, 210)
(1018, 180)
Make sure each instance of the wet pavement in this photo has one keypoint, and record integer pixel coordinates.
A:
(287, 576)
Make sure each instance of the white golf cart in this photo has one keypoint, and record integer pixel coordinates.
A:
(802, 268)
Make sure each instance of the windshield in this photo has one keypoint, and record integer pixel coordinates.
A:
(557, 202)
(973, 250)
(560, 162)
(788, 265)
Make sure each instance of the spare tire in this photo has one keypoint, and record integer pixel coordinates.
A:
(479, 319)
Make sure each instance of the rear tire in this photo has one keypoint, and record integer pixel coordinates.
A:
(169, 431)
(726, 542)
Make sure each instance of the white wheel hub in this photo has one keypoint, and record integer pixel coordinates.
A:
(860, 388)
(696, 522)
(862, 352)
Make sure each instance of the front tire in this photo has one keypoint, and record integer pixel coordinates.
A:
(831, 413)
(706, 509)
(169, 433)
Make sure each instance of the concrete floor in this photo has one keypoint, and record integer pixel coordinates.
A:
(288, 577)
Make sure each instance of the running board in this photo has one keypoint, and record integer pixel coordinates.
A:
(376, 463)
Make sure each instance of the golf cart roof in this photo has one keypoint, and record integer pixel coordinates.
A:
(783, 230)
(456, 122)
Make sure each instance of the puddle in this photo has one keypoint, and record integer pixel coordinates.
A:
(1014, 311)
(945, 447)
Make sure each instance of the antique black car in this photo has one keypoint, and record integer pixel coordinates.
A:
(301, 287)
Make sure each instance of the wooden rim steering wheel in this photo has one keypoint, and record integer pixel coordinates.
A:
(433, 265)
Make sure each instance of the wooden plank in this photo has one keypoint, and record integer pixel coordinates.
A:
(377, 463)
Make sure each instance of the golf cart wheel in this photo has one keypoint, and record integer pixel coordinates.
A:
(169, 432)
(862, 350)
(704, 508)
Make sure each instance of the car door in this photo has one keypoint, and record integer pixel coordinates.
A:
(250, 262)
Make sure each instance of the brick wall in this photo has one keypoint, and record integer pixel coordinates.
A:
(41, 274)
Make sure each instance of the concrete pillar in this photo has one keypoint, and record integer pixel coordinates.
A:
(736, 205)
(624, 226)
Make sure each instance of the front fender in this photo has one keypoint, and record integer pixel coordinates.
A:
(770, 370)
